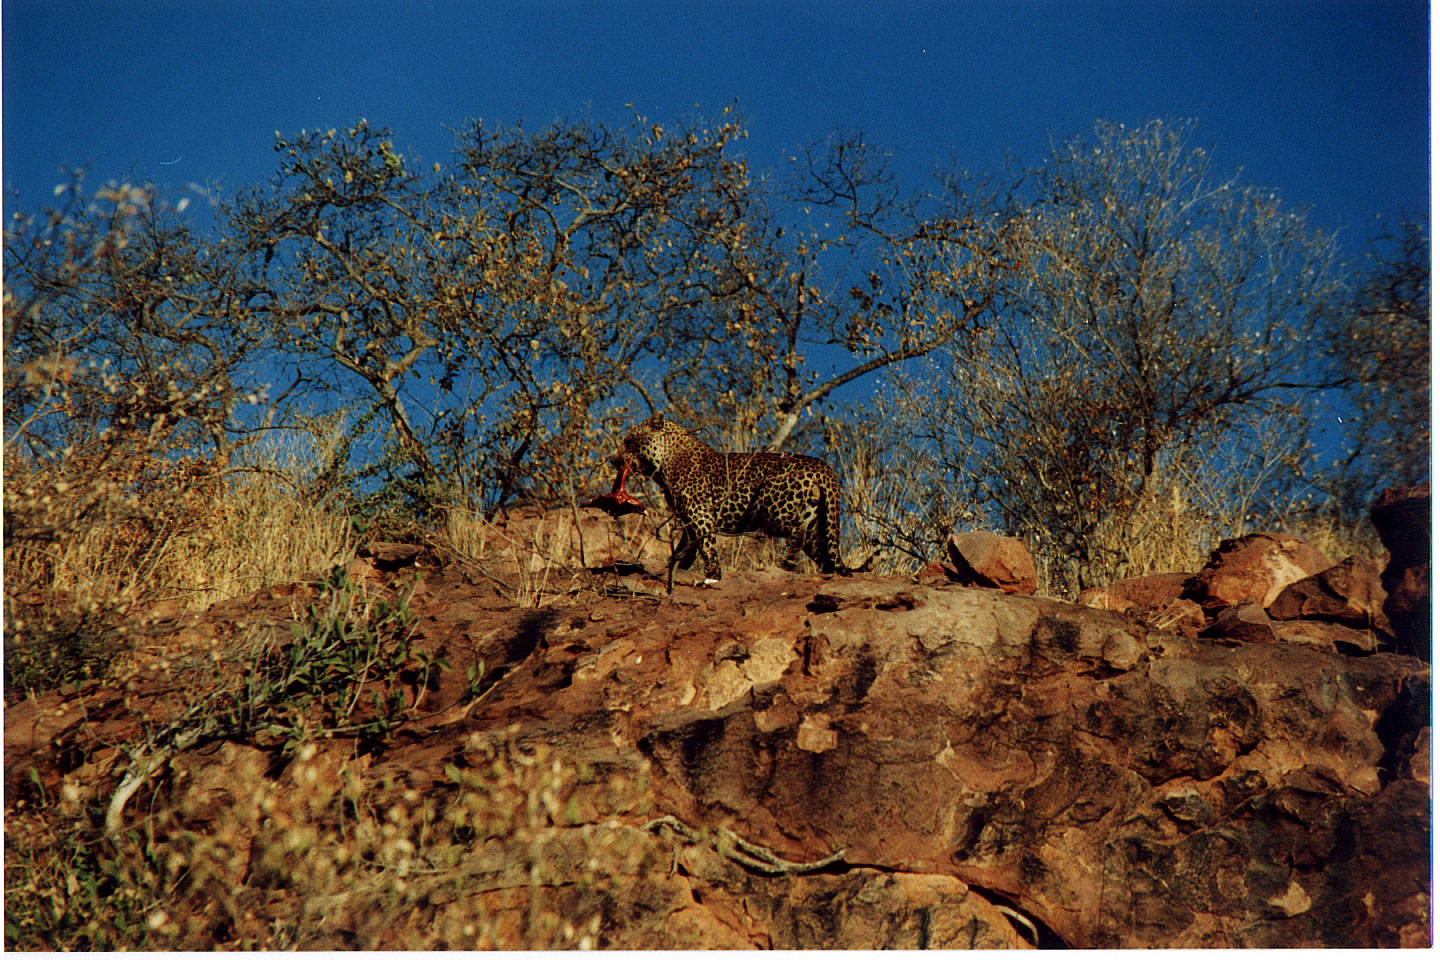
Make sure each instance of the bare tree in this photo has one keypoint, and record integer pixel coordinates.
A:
(123, 343)
(118, 320)
(1154, 312)
(495, 322)
(600, 278)
(1381, 347)
(125, 354)
(1065, 342)
(864, 274)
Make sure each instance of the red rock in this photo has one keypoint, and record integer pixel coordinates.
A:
(1244, 623)
(1153, 591)
(1418, 763)
(1100, 598)
(1402, 519)
(1407, 606)
(1185, 617)
(1331, 637)
(1255, 568)
(933, 572)
(1348, 593)
(901, 761)
(362, 570)
(1154, 599)
(877, 910)
(1121, 651)
(982, 559)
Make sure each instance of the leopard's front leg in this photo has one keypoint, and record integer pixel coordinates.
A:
(703, 525)
(711, 556)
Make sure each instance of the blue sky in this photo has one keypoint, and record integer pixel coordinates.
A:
(1327, 102)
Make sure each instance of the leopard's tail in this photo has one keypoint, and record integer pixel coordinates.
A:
(827, 533)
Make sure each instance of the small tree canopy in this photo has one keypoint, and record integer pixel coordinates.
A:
(1152, 309)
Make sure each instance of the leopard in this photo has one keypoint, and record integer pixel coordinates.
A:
(710, 492)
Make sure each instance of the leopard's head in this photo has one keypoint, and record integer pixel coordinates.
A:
(648, 447)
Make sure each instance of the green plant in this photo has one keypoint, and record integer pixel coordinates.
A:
(474, 675)
(67, 887)
(316, 683)
(66, 647)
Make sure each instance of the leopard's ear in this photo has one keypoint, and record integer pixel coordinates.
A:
(656, 422)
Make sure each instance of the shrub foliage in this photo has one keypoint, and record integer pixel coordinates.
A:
(1065, 350)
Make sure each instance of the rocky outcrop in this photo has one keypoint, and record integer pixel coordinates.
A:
(1253, 568)
(1151, 592)
(569, 540)
(1337, 608)
(867, 762)
(1402, 518)
(1243, 623)
(1348, 593)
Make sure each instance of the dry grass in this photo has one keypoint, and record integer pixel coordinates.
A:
(264, 531)
(532, 564)
(535, 557)
(901, 509)
(1167, 533)
(898, 510)
(156, 843)
(183, 531)
(1179, 528)
(520, 849)
(92, 545)
(1336, 538)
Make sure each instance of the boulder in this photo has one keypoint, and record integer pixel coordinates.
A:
(933, 573)
(531, 539)
(1402, 519)
(1242, 623)
(1348, 593)
(1418, 765)
(1407, 607)
(1185, 617)
(1255, 567)
(1151, 592)
(881, 910)
(983, 559)
(1333, 637)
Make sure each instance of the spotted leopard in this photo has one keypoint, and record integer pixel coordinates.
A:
(709, 492)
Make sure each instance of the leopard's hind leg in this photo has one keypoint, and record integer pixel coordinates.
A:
(822, 535)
